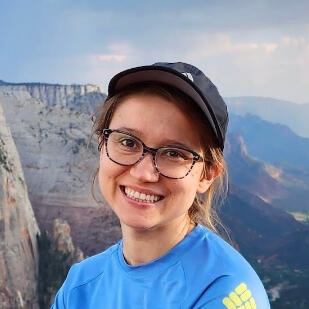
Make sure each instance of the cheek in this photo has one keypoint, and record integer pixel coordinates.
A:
(191, 185)
(107, 167)
(184, 190)
(194, 179)
(102, 178)
(108, 172)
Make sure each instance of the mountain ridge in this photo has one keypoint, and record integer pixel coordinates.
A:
(291, 114)
(85, 98)
(271, 142)
(5, 83)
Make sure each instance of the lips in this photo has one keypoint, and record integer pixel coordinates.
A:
(143, 197)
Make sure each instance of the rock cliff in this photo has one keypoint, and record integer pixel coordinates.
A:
(18, 230)
(251, 174)
(57, 254)
(52, 143)
(79, 97)
(63, 240)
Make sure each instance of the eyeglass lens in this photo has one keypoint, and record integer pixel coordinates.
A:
(172, 162)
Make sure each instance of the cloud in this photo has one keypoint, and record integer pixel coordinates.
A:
(238, 65)
(297, 51)
(270, 47)
(248, 48)
(294, 41)
(99, 68)
(252, 64)
(113, 53)
(222, 43)
(110, 57)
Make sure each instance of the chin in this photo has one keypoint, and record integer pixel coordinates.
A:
(141, 225)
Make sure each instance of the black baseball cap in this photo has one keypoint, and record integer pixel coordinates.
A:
(186, 78)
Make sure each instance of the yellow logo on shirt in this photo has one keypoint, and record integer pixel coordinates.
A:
(240, 298)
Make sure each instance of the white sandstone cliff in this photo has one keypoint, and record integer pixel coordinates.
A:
(82, 97)
(52, 143)
(18, 230)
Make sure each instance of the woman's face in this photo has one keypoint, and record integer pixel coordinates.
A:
(157, 122)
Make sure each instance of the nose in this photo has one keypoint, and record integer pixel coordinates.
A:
(145, 170)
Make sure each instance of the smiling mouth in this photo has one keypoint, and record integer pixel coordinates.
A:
(140, 196)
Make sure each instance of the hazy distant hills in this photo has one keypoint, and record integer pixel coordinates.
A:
(285, 188)
(270, 161)
(263, 231)
(251, 174)
(284, 112)
(273, 143)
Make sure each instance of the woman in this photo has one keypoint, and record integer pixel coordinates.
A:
(161, 137)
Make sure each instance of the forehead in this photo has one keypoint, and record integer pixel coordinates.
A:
(156, 118)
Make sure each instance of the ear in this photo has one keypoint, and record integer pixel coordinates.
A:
(207, 178)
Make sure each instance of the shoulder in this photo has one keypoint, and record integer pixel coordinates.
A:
(88, 269)
(211, 250)
(224, 276)
(83, 273)
(234, 292)
(212, 253)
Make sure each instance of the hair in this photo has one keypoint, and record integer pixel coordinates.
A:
(203, 209)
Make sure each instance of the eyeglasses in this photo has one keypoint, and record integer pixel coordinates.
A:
(125, 149)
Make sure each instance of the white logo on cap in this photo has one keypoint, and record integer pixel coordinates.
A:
(188, 75)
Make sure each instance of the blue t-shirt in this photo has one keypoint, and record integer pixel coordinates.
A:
(201, 271)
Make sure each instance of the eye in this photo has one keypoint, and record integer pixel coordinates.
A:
(174, 154)
(128, 142)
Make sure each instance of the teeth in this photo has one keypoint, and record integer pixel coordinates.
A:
(142, 197)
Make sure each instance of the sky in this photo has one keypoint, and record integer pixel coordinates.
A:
(247, 48)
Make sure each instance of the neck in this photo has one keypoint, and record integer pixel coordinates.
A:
(141, 246)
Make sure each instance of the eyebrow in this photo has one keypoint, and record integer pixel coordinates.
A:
(167, 142)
